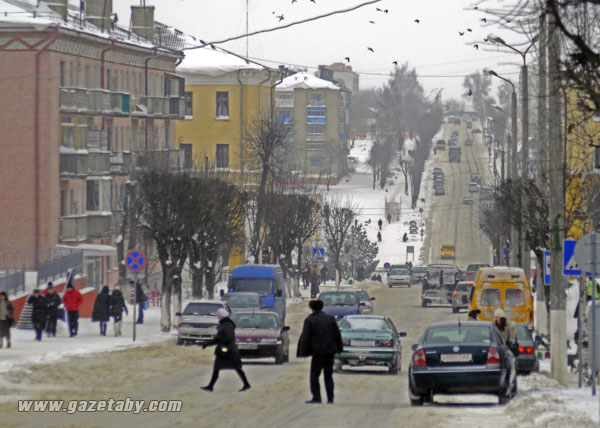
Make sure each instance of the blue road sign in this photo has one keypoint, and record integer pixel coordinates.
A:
(504, 253)
(319, 253)
(570, 266)
(135, 260)
(547, 267)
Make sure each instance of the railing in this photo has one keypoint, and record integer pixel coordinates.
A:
(83, 164)
(60, 265)
(315, 147)
(120, 163)
(284, 103)
(94, 101)
(98, 163)
(13, 280)
(98, 225)
(316, 103)
(176, 108)
(171, 160)
(315, 137)
(79, 228)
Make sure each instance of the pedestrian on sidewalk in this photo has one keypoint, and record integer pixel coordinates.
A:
(72, 301)
(380, 223)
(6, 318)
(141, 299)
(320, 339)
(314, 285)
(117, 307)
(38, 313)
(405, 237)
(52, 302)
(324, 272)
(101, 311)
(379, 236)
(226, 351)
(389, 218)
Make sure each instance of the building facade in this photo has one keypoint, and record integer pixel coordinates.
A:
(84, 103)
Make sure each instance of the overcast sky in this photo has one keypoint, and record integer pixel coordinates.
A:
(433, 46)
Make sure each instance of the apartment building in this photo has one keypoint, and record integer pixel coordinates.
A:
(315, 110)
(84, 103)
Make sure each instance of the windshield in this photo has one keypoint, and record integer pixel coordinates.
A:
(514, 297)
(472, 268)
(201, 308)
(364, 323)
(457, 334)
(463, 287)
(334, 299)
(419, 269)
(255, 320)
(490, 297)
(522, 332)
(236, 301)
(363, 296)
(261, 286)
(448, 248)
(398, 272)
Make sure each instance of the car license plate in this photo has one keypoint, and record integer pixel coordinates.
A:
(247, 346)
(456, 358)
(358, 342)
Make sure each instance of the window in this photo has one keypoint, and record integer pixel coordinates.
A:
(315, 98)
(109, 138)
(189, 105)
(127, 87)
(167, 138)
(315, 163)
(73, 202)
(63, 203)
(88, 76)
(222, 155)
(133, 84)
(315, 129)
(67, 132)
(92, 195)
(116, 134)
(78, 80)
(316, 115)
(284, 116)
(108, 79)
(284, 96)
(223, 105)
(514, 297)
(490, 297)
(63, 72)
(71, 75)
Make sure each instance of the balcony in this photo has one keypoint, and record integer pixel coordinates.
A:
(82, 227)
(164, 160)
(120, 163)
(316, 103)
(316, 137)
(315, 147)
(81, 163)
(157, 107)
(94, 102)
(176, 108)
(284, 103)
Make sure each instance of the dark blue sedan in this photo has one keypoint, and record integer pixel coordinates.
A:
(461, 358)
(340, 303)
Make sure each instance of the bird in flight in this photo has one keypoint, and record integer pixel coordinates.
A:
(469, 30)
(379, 10)
(461, 33)
(417, 21)
(476, 46)
(280, 17)
(371, 49)
(371, 22)
(483, 20)
(313, 1)
(385, 10)
(294, 1)
(395, 62)
(347, 58)
(485, 39)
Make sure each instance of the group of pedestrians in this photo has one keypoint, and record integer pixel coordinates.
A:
(109, 305)
(46, 309)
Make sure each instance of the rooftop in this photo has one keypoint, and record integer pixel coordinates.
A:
(214, 61)
(304, 80)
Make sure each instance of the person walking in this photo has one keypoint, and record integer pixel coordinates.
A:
(38, 313)
(72, 301)
(117, 307)
(101, 311)
(52, 302)
(226, 351)
(379, 236)
(389, 218)
(506, 328)
(405, 237)
(308, 272)
(6, 318)
(314, 285)
(141, 299)
(324, 272)
(380, 223)
(320, 339)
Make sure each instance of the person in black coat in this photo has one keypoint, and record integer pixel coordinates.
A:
(117, 307)
(314, 285)
(140, 298)
(226, 352)
(321, 339)
(52, 302)
(38, 313)
(101, 312)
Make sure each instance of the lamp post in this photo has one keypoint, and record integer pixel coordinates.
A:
(501, 145)
(513, 159)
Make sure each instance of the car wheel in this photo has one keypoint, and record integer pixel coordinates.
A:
(279, 358)
(179, 341)
(390, 285)
(414, 401)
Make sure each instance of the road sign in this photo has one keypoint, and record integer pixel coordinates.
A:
(135, 260)
(570, 266)
(319, 253)
(504, 253)
(547, 262)
(587, 253)
(386, 265)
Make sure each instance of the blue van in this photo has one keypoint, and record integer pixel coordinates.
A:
(266, 280)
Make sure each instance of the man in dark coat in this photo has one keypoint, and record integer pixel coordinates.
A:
(324, 272)
(38, 313)
(117, 307)
(140, 298)
(226, 352)
(314, 285)
(321, 339)
(101, 311)
(52, 302)
(380, 223)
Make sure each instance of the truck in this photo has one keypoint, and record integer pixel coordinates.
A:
(435, 291)
(454, 154)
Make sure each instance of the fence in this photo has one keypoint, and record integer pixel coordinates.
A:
(154, 297)
(60, 265)
(12, 281)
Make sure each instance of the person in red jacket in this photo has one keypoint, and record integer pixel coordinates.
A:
(72, 301)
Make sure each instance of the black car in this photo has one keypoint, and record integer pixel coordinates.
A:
(527, 361)
(461, 358)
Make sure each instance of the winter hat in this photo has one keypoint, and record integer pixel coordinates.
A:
(499, 313)
(69, 285)
(50, 286)
(222, 313)
(474, 313)
(37, 290)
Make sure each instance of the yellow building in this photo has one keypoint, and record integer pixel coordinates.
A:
(582, 185)
(224, 95)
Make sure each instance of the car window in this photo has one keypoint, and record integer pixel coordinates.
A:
(201, 308)
(490, 297)
(457, 334)
(364, 323)
(514, 297)
(265, 321)
(331, 299)
(398, 272)
(261, 286)
(522, 332)
(236, 301)
(363, 296)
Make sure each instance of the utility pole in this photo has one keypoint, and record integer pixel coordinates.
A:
(558, 314)
(525, 253)
(541, 312)
(514, 174)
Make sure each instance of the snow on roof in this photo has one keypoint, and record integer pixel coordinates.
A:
(214, 62)
(305, 80)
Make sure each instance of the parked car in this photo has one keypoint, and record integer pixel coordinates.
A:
(418, 273)
(243, 302)
(363, 297)
(473, 187)
(476, 131)
(261, 335)
(476, 177)
(199, 321)
(438, 191)
(461, 358)
(460, 296)
(469, 142)
(448, 251)
(440, 145)
(472, 270)
(468, 200)
(399, 276)
(370, 340)
(340, 303)
(527, 361)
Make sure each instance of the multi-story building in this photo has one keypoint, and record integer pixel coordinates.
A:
(315, 110)
(83, 103)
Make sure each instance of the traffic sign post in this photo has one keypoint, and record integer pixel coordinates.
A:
(319, 253)
(135, 261)
(570, 266)
(547, 262)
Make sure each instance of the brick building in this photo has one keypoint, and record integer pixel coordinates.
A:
(84, 102)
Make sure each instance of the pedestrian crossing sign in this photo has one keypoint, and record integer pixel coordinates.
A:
(319, 253)
(570, 266)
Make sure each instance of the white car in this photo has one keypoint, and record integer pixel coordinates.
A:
(473, 187)
(399, 276)
(199, 321)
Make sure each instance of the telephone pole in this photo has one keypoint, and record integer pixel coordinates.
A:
(558, 315)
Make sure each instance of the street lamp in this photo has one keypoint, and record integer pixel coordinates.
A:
(512, 159)
(491, 119)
